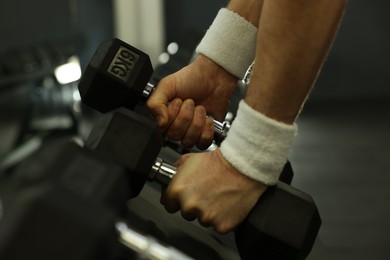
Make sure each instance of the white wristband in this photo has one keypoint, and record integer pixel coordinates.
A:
(258, 146)
(230, 42)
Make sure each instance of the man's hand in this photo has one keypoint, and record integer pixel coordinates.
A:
(206, 187)
(180, 101)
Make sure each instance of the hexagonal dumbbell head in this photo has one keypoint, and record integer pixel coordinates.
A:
(130, 139)
(44, 222)
(283, 225)
(117, 72)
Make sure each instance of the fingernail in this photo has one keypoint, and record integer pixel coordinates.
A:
(189, 102)
(200, 112)
(177, 103)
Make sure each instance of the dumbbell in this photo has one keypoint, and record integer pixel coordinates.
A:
(68, 202)
(283, 224)
(62, 203)
(118, 75)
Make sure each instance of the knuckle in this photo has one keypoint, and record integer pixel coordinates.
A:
(171, 208)
(198, 123)
(151, 103)
(206, 138)
(204, 143)
(174, 134)
(191, 138)
(176, 193)
(190, 207)
(206, 218)
(190, 210)
(188, 216)
(184, 117)
(162, 121)
(188, 142)
(173, 193)
(223, 227)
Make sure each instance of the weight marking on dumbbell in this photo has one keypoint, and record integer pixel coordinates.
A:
(123, 63)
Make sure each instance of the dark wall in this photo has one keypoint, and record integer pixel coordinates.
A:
(94, 24)
(357, 66)
(24, 23)
(188, 20)
(83, 23)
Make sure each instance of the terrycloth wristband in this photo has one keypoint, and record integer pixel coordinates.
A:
(258, 146)
(230, 42)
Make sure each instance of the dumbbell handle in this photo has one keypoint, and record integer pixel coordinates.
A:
(220, 128)
(162, 172)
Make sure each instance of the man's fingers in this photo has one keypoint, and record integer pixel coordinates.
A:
(160, 113)
(173, 110)
(182, 121)
(171, 205)
(194, 130)
(157, 102)
(207, 135)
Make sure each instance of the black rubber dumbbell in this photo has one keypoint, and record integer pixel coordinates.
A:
(283, 224)
(63, 203)
(68, 202)
(137, 150)
(118, 75)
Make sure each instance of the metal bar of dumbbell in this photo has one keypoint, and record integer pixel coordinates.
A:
(162, 172)
(146, 246)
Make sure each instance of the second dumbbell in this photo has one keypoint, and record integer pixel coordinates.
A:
(118, 75)
(282, 225)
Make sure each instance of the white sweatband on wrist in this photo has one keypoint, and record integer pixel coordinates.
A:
(257, 145)
(230, 42)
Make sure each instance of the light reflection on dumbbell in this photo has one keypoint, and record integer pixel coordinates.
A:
(147, 246)
(162, 172)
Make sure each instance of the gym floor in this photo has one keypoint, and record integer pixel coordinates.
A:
(342, 158)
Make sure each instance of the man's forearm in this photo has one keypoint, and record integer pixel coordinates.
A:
(293, 39)
(249, 9)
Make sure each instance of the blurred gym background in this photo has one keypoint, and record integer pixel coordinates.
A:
(342, 153)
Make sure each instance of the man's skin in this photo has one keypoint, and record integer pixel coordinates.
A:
(293, 40)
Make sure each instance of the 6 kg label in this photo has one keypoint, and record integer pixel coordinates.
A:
(123, 63)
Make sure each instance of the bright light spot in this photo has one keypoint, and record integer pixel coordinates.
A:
(163, 58)
(77, 107)
(69, 72)
(172, 48)
(76, 95)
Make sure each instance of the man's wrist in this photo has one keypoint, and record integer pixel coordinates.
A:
(230, 42)
(214, 69)
(258, 146)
